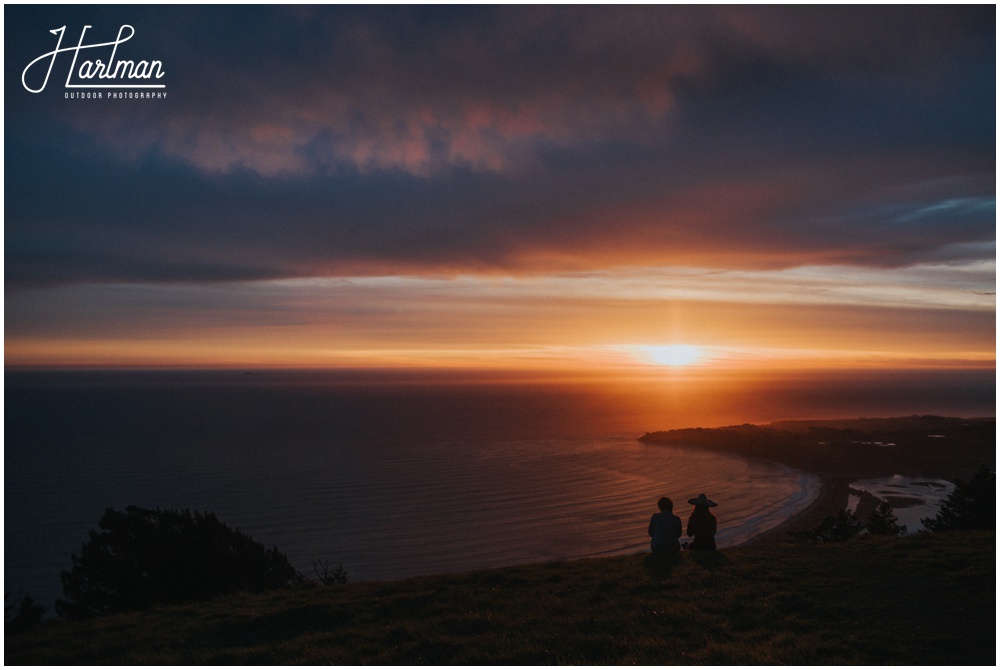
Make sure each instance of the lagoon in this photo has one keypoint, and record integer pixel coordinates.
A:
(911, 498)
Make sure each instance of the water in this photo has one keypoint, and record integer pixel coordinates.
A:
(390, 475)
(912, 499)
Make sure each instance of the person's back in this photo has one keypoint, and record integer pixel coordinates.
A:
(702, 524)
(665, 528)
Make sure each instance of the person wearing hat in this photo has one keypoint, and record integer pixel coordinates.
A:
(665, 529)
(702, 524)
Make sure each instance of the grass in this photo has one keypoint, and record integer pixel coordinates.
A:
(927, 599)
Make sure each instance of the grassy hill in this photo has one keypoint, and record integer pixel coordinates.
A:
(927, 599)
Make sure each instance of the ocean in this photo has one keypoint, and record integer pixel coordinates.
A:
(396, 474)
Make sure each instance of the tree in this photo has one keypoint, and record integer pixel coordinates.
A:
(971, 506)
(29, 614)
(883, 522)
(144, 557)
(838, 528)
(326, 574)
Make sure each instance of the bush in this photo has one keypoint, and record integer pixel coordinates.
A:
(144, 557)
(29, 615)
(846, 525)
(970, 506)
(883, 522)
(838, 528)
(326, 574)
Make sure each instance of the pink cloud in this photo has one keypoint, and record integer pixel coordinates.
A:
(485, 93)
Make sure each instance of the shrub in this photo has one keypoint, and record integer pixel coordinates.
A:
(838, 528)
(144, 557)
(971, 506)
(327, 574)
(29, 614)
(883, 522)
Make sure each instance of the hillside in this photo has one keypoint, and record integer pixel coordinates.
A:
(926, 599)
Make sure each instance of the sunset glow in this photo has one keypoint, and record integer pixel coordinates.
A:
(434, 212)
(674, 355)
(917, 317)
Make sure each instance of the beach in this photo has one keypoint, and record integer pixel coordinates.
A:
(832, 498)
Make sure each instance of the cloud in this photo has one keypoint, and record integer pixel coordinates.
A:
(415, 91)
(424, 89)
(335, 141)
(925, 312)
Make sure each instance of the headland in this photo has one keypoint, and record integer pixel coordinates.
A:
(846, 450)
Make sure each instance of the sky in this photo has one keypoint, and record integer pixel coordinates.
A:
(503, 187)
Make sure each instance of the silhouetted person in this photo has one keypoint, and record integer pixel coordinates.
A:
(702, 524)
(665, 529)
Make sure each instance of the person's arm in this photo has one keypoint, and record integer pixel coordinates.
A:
(652, 525)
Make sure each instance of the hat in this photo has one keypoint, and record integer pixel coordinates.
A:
(701, 501)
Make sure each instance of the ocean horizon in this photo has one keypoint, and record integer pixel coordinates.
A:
(401, 474)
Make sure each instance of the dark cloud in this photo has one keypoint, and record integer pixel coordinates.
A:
(378, 140)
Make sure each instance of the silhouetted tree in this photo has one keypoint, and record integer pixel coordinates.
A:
(144, 557)
(839, 528)
(327, 574)
(883, 522)
(971, 506)
(29, 614)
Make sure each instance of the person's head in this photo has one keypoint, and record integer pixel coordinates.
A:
(701, 506)
(702, 501)
(701, 512)
(665, 504)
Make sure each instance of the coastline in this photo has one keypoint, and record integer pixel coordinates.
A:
(840, 452)
(831, 499)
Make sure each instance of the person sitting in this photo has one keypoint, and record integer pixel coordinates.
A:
(665, 529)
(702, 524)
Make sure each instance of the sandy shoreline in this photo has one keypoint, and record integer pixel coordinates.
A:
(831, 499)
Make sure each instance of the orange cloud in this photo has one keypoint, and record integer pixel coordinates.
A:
(807, 317)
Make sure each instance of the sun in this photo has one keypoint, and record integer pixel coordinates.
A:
(674, 355)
